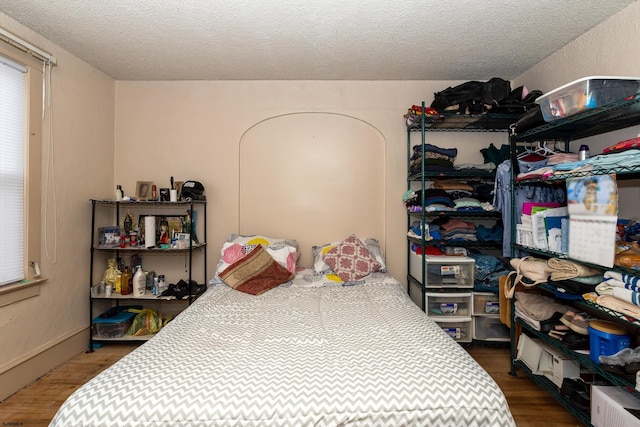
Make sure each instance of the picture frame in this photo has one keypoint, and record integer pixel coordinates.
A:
(143, 190)
(178, 187)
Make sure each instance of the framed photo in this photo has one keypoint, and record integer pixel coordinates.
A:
(178, 187)
(175, 224)
(143, 190)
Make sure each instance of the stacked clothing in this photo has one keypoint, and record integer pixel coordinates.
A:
(435, 159)
(488, 270)
(435, 200)
(455, 230)
(450, 195)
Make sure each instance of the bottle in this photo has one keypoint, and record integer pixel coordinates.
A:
(154, 192)
(118, 286)
(162, 285)
(126, 282)
(139, 282)
(118, 192)
(583, 153)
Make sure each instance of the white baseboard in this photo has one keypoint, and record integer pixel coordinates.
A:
(24, 373)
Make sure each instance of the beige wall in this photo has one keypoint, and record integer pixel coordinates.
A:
(609, 49)
(82, 167)
(108, 132)
(191, 130)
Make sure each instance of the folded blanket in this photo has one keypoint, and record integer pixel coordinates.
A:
(562, 269)
(617, 289)
(538, 307)
(619, 305)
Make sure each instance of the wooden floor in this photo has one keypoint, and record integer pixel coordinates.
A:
(35, 405)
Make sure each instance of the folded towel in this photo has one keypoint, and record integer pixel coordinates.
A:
(562, 269)
(619, 305)
(610, 287)
(629, 282)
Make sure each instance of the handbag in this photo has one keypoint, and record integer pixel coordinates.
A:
(529, 271)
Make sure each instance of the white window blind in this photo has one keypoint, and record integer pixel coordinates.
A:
(12, 170)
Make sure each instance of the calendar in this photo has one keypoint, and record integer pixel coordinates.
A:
(593, 239)
(592, 203)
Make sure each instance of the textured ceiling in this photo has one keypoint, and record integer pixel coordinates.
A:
(311, 39)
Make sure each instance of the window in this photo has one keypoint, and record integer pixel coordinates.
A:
(20, 171)
(12, 136)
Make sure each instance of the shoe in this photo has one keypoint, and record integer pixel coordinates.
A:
(580, 324)
(567, 318)
(621, 358)
(577, 391)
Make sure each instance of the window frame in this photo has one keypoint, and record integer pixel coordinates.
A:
(29, 287)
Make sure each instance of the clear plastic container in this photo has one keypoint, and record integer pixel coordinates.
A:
(586, 93)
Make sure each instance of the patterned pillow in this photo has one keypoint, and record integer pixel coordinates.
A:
(351, 260)
(231, 252)
(255, 273)
(319, 266)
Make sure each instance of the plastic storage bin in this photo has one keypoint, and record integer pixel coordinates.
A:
(443, 271)
(114, 323)
(606, 338)
(485, 303)
(490, 328)
(459, 330)
(586, 93)
(448, 304)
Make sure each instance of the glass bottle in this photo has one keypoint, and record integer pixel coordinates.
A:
(126, 281)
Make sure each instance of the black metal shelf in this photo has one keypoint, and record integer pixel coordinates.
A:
(459, 214)
(453, 174)
(554, 391)
(622, 172)
(617, 115)
(451, 122)
(583, 359)
(470, 244)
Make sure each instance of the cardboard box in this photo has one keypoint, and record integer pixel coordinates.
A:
(545, 360)
(609, 407)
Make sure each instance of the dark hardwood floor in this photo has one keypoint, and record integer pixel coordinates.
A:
(36, 404)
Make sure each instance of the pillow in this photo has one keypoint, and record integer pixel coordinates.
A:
(351, 260)
(232, 252)
(319, 266)
(255, 273)
(256, 239)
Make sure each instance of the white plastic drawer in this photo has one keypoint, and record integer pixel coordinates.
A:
(490, 328)
(485, 303)
(443, 271)
(459, 330)
(448, 304)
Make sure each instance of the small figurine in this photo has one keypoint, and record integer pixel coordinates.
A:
(164, 231)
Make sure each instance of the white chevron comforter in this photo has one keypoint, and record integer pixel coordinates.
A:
(361, 355)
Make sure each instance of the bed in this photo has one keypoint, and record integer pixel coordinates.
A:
(321, 343)
(308, 353)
